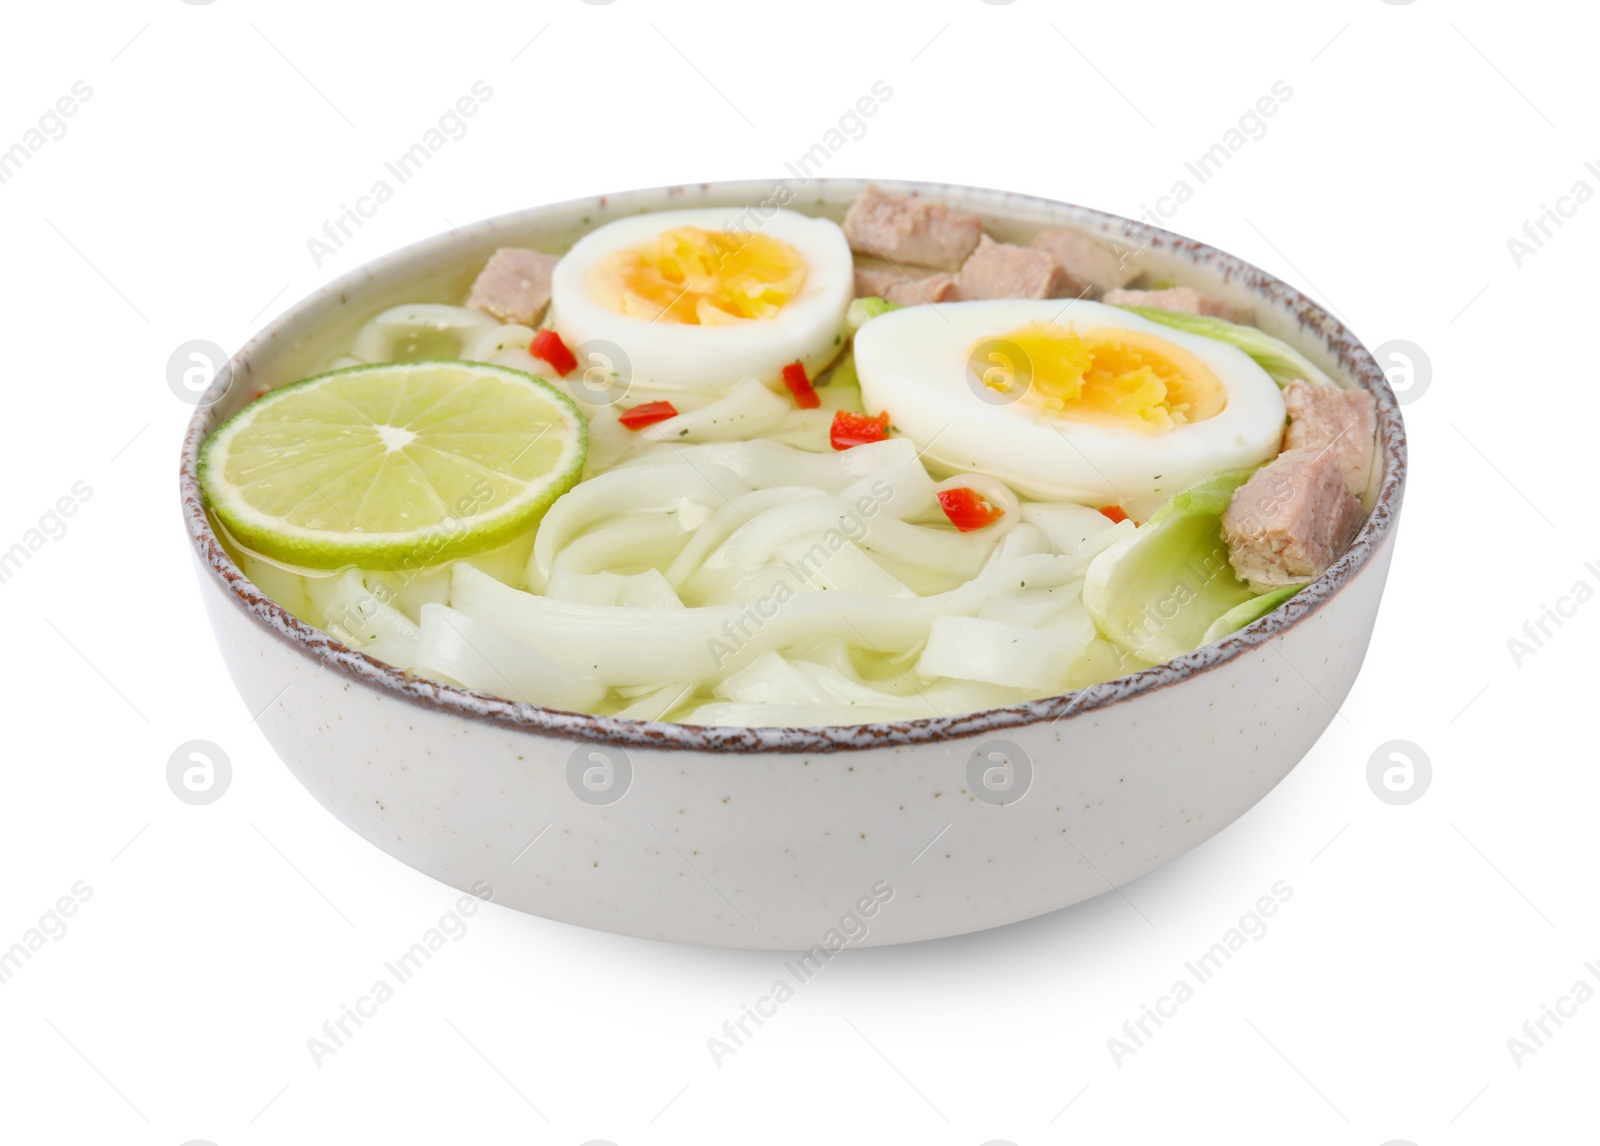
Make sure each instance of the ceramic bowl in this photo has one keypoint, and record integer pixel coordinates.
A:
(794, 838)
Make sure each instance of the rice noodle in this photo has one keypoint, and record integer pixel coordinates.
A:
(604, 643)
(435, 330)
(496, 341)
(485, 659)
(747, 410)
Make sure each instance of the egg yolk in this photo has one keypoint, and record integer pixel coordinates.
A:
(700, 278)
(1107, 375)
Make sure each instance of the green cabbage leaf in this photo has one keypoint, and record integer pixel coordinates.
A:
(1249, 612)
(1273, 355)
(862, 309)
(1160, 591)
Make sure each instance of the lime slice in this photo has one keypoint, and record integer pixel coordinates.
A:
(394, 466)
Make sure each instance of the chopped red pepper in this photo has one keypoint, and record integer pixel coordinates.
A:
(805, 395)
(1113, 512)
(647, 414)
(968, 509)
(547, 344)
(857, 429)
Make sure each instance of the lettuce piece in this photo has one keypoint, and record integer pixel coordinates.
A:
(842, 373)
(1159, 591)
(1275, 356)
(1251, 611)
(862, 309)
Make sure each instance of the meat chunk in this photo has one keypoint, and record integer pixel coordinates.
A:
(514, 286)
(1005, 270)
(1180, 298)
(903, 289)
(904, 229)
(1343, 422)
(935, 288)
(1291, 520)
(1090, 262)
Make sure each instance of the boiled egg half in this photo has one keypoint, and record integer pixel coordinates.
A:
(1076, 401)
(701, 300)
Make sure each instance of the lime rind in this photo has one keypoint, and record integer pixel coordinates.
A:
(305, 497)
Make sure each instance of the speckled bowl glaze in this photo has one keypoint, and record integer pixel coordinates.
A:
(793, 838)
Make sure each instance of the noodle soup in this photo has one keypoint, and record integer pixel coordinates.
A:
(717, 468)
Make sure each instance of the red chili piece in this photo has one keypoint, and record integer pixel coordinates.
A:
(850, 429)
(805, 394)
(968, 509)
(547, 344)
(647, 414)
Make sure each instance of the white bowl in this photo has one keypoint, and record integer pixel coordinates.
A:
(792, 838)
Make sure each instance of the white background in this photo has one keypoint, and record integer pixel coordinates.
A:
(1419, 938)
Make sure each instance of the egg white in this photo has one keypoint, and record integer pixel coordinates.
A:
(679, 356)
(913, 363)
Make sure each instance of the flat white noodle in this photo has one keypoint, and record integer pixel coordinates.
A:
(350, 609)
(940, 553)
(647, 590)
(496, 341)
(399, 652)
(995, 652)
(657, 703)
(722, 523)
(387, 337)
(1065, 524)
(1021, 540)
(486, 660)
(604, 643)
(749, 409)
(846, 569)
(630, 541)
(774, 680)
(664, 488)
(774, 690)
(762, 463)
(1035, 608)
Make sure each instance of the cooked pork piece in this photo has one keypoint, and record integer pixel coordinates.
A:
(905, 289)
(1005, 270)
(1291, 520)
(514, 286)
(1180, 298)
(906, 229)
(1090, 262)
(1340, 421)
